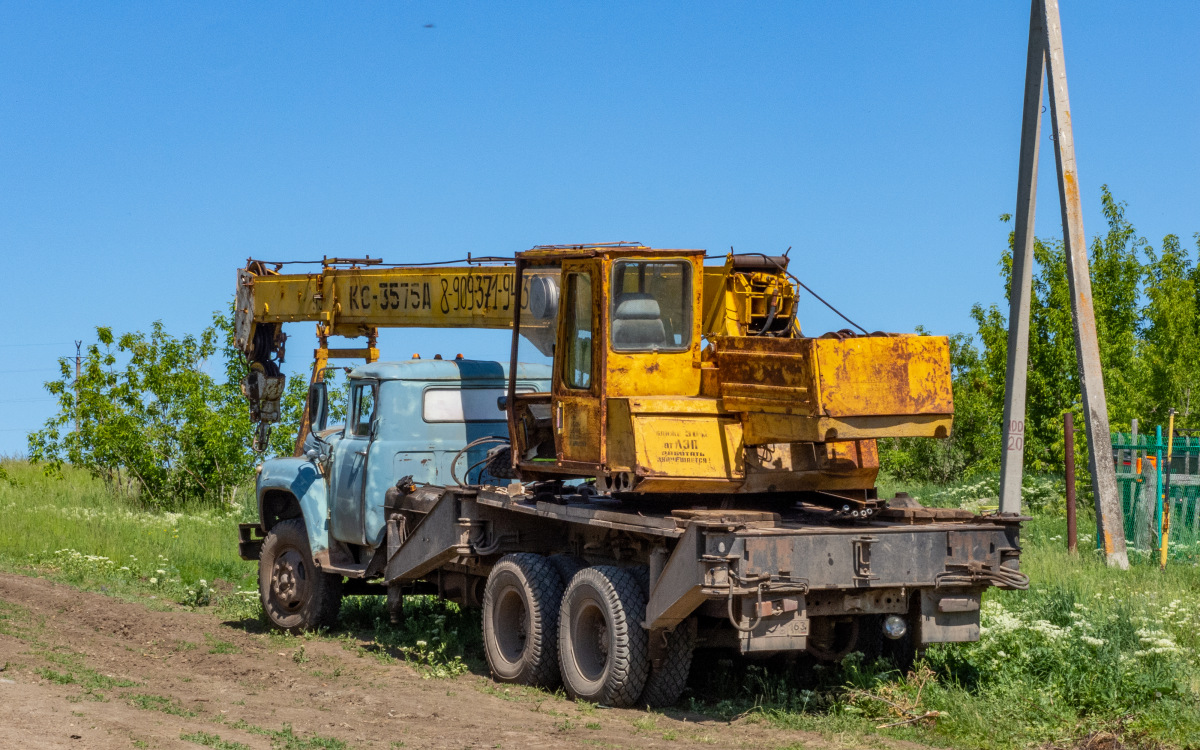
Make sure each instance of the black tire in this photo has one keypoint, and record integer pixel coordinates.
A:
(567, 566)
(295, 595)
(830, 639)
(500, 465)
(666, 681)
(520, 620)
(602, 646)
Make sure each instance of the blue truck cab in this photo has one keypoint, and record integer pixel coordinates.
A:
(410, 418)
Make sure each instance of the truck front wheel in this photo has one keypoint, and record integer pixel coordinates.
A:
(520, 620)
(295, 595)
(601, 642)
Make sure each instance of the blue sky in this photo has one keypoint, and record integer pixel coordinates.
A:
(147, 149)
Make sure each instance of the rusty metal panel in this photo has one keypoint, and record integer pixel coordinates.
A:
(689, 446)
(779, 624)
(805, 387)
(767, 374)
(577, 423)
(878, 375)
(619, 443)
(838, 561)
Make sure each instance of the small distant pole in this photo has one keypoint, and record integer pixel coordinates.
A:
(78, 345)
(1166, 508)
(1069, 447)
(1158, 483)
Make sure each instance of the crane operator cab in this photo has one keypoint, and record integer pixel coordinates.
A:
(664, 383)
(627, 329)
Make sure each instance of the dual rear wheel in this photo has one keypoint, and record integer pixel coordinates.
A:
(546, 619)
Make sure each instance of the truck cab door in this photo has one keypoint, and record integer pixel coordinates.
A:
(350, 454)
(577, 367)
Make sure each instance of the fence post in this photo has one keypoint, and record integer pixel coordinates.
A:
(1158, 484)
(1069, 449)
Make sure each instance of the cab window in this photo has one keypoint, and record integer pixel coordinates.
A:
(651, 306)
(465, 404)
(362, 404)
(577, 364)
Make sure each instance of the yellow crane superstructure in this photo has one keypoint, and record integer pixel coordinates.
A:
(670, 377)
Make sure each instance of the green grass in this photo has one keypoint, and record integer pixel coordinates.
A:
(214, 741)
(161, 703)
(217, 646)
(73, 527)
(286, 739)
(1086, 649)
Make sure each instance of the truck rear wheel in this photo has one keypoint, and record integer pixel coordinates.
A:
(520, 620)
(667, 679)
(295, 595)
(601, 643)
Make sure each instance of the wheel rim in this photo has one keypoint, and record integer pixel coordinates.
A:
(289, 581)
(590, 640)
(510, 623)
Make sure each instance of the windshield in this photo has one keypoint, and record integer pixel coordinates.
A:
(651, 306)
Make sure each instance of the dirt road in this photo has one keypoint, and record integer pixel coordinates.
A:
(89, 671)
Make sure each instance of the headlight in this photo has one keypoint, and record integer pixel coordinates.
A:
(894, 627)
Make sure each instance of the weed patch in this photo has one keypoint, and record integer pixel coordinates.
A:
(213, 741)
(436, 637)
(161, 703)
(218, 646)
(286, 739)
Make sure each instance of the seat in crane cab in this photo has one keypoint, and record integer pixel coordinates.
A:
(637, 321)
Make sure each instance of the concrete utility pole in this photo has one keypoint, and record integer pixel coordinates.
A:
(1046, 56)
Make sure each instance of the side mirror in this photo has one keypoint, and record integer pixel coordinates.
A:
(502, 403)
(318, 407)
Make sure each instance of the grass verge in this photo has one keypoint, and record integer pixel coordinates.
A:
(1086, 651)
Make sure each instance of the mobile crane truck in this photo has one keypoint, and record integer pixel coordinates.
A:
(690, 469)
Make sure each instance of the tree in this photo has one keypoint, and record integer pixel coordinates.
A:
(153, 423)
(1147, 318)
(1117, 273)
(1168, 345)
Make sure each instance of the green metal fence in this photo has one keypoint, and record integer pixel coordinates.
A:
(1140, 466)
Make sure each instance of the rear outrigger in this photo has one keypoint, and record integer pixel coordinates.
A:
(690, 469)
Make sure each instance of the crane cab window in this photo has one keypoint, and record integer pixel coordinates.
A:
(577, 364)
(651, 306)
(362, 402)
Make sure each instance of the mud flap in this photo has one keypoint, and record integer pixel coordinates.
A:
(948, 616)
(440, 537)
